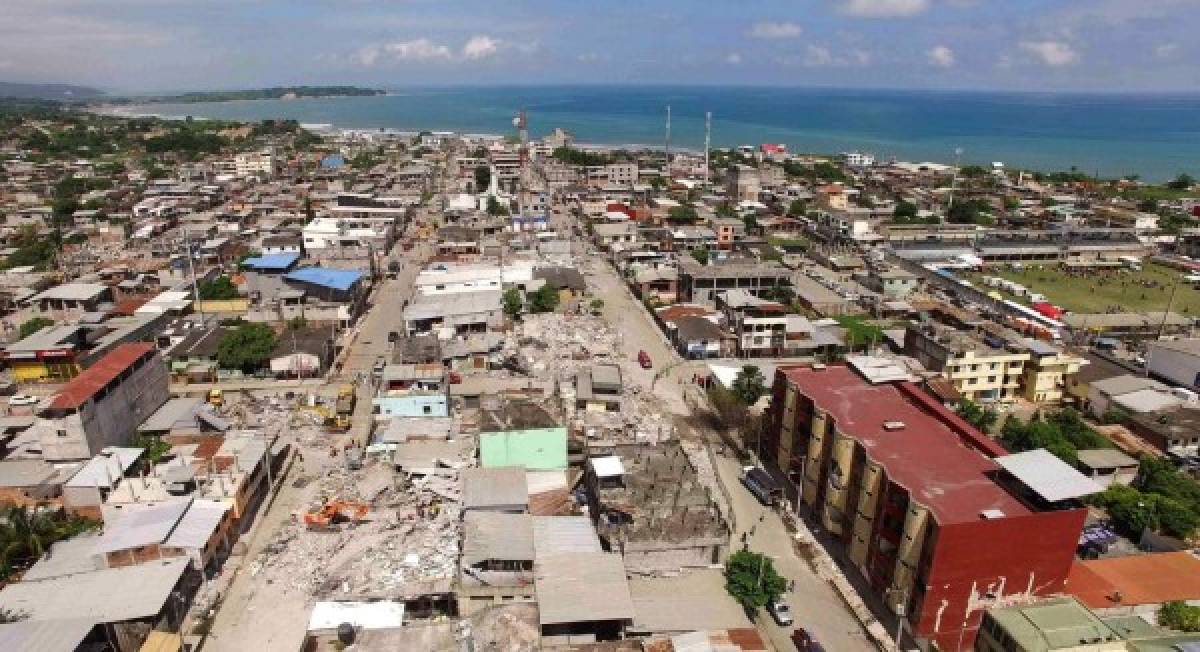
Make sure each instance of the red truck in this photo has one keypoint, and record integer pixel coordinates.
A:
(644, 360)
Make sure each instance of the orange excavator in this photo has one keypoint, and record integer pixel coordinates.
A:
(335, 512)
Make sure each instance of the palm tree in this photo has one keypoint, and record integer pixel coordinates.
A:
(27, 532)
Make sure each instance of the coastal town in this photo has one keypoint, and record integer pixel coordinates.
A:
(285, 387)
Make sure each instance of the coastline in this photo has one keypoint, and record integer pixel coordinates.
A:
(1110, 137)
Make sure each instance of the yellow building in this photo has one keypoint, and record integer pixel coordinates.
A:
(1046, 373)
(979, 369)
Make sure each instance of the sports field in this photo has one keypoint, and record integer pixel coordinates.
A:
(1100, 290)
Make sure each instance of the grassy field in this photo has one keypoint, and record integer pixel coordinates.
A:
(1100, 290)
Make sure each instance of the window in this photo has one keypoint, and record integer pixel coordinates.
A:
(426, 409)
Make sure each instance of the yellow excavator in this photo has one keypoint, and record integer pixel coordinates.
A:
(215, 397)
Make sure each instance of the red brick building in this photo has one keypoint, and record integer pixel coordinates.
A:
(921, 505)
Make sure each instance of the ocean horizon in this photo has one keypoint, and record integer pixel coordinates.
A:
(1153, 135)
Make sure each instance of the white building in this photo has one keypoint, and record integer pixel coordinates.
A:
(250, 164)
(328, 233)
(457, 279)
(858, 159)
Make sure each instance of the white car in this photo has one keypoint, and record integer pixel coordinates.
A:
(781, 612)
(21, 400)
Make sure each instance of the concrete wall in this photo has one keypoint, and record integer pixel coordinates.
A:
(412, 406)
(109, 421)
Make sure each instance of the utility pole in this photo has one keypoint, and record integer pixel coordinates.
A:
(667, 167)
(187, 244)
(954, 180)
(707, 142)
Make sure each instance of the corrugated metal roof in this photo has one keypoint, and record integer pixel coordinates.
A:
(141, 525)
(494, 487)
(338, 279)
(497, 535)
(197, 525)
(107, 596)
(63, 635)
(564, 534)
(272, 261)
(84, 386)
(582, 587)
(1048, 476)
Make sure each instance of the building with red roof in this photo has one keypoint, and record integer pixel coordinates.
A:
(931, 512)
(104, 404)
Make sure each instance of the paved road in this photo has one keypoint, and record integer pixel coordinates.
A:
(815, 604)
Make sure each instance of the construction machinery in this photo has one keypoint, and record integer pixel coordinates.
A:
(335, 512)
(346, 399)
(215, 397)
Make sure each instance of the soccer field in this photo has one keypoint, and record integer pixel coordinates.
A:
(1100, 290)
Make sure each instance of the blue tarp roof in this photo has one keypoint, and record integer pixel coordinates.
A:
(272, 261)
(338, 279)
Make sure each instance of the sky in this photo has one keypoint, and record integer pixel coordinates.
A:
(1034, 45)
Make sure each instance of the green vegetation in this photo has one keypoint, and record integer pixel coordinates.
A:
(26, 533)
(683, 213)
(596, 306)
(1180, 616)
(1163, 498)
(751, 579)
(573, 156)
(797, 208)
(906, 213)
(252, 94)
(483, 178)
(219, 288)
(749, 385)
(513, 303)
(496, 208)
(545, 299)
(246, 347)
(859, 332)
(1094, 291)
(1063, 433)
(34, 325)
(33, 248)
(780, 293)
(1181, 182)
(185, 141)
(976, 415)
(794, 244)
(155, 447)
(970, 211)
(701, 255)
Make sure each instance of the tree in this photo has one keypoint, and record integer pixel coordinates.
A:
(1179, 615)
(725, 209)
(246, 347)
(797, 207)
(905, 210)
(973, 171)
(483, 178)
(780, 293)
(701, 255)
(751, 579)
(218, 289)
(682, 213)
(155, 447)
(1181, 182)
(596, 305)
(859, 333)
(749, 385)
(26, 533)
(974, 414)
(545, 299)
(496, 208)
(34, 325)
(965, 212)
(513, 303)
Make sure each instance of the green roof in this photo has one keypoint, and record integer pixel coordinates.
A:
(538, 449)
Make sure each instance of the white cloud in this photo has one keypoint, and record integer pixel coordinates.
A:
(1166, 50)
(1051, 53)
(816, 56)
(733, 58)
(884, 8)
(941, 56)
(588, 57)
(480, 46)
(775, 30)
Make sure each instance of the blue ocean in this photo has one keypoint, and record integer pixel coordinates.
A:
(1154, 136)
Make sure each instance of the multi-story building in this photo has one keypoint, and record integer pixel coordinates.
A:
(939, 521)
(759, 325)
(1046, 373)
(104, 405)
(743, 183)
(622, 173)
(981, 368)
(701, 283)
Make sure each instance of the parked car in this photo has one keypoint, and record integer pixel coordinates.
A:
(644, 360)
(781, 612)
(762, 485)
(21, 400)
(805, 642)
